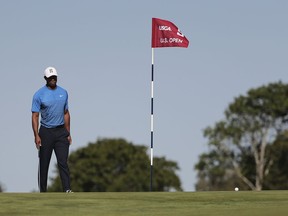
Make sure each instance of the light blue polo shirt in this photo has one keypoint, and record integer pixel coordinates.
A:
(51, 103)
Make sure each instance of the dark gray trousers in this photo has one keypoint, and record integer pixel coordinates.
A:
(53, 139)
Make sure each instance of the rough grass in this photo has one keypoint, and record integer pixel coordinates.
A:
(146, 203)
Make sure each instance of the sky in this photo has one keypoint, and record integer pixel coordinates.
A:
(102, 53)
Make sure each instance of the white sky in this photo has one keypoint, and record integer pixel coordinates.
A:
(102, 52)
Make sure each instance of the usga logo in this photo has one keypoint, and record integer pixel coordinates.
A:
(164, 28)
(168, 28)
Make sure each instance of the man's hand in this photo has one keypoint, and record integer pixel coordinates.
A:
(69, 139)
(35, 123)
(37, 141)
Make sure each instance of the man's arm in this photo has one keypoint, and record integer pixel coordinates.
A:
(35, 128)
(67, 124)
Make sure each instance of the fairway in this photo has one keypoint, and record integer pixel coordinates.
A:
(146, 203)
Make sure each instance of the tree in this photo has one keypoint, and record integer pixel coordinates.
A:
(1, 188)
(238, 144)
(277, 178)
(116, 165)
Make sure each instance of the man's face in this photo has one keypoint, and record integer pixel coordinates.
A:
(51, 81)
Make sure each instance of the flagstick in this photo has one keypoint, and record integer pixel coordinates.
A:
(159, 28)
(152, 95)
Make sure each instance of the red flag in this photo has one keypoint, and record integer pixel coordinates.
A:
(166, 34)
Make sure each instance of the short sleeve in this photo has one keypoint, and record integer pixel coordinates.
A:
(36, 103)
(66, 102)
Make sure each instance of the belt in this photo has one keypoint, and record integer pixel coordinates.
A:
(59, 126)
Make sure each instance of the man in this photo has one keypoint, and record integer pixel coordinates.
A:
(51, 101)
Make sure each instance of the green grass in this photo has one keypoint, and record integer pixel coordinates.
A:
(146, 203)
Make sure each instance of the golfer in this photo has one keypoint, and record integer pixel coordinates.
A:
(51, 101)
